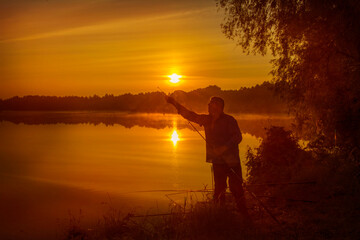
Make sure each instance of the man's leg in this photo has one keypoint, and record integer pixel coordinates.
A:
(220, 176)
(235, 185)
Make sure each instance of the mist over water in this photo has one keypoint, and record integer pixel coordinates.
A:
(53, 163)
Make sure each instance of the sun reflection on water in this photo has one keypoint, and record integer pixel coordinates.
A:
(175, 137)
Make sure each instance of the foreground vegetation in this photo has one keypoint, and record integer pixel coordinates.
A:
(204, 221)
(326, 207)
(311, 192)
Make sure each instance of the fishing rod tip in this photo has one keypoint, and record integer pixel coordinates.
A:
(161, 90)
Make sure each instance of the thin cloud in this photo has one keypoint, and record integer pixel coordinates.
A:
(115, 24)
(23, 21)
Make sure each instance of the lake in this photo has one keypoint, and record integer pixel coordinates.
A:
(54, 165)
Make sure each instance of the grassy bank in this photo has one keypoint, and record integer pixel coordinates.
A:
(332, 216)
(200, 220)
(292, 192)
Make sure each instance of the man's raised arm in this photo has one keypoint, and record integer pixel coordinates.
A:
(186, 113)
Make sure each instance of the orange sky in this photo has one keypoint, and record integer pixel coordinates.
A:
(86, 47)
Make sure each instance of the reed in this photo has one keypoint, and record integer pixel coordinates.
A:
(196, 217)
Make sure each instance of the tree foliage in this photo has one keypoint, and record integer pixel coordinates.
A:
(316, 49)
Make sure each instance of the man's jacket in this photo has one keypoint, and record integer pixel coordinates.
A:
(224, 131)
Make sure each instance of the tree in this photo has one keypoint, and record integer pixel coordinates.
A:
(316, 64)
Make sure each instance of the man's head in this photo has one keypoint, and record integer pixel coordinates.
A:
(216, 106)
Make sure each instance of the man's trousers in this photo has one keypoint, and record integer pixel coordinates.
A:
(221, 173)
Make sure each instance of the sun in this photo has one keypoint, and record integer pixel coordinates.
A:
(174, 78)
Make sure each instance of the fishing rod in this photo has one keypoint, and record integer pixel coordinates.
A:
(253, 195)
(212, 170)
(188, 120)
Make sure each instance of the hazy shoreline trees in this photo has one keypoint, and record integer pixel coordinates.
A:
(259, 99)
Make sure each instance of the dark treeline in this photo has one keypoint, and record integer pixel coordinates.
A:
(258, 99)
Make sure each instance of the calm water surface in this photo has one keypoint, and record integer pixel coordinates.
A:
(53, 164)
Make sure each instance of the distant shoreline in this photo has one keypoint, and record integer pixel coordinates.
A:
(260, 99)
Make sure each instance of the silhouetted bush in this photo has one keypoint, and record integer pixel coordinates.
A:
(314, 189)
(278, 157)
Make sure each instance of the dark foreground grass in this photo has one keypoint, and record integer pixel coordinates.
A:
(204, 222)
(199, 220)
(334, 217)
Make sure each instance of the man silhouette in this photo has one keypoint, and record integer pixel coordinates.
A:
(223, 136)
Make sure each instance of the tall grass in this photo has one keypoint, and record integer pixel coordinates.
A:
(192, 219)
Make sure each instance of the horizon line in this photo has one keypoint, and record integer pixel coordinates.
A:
(134, 93)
